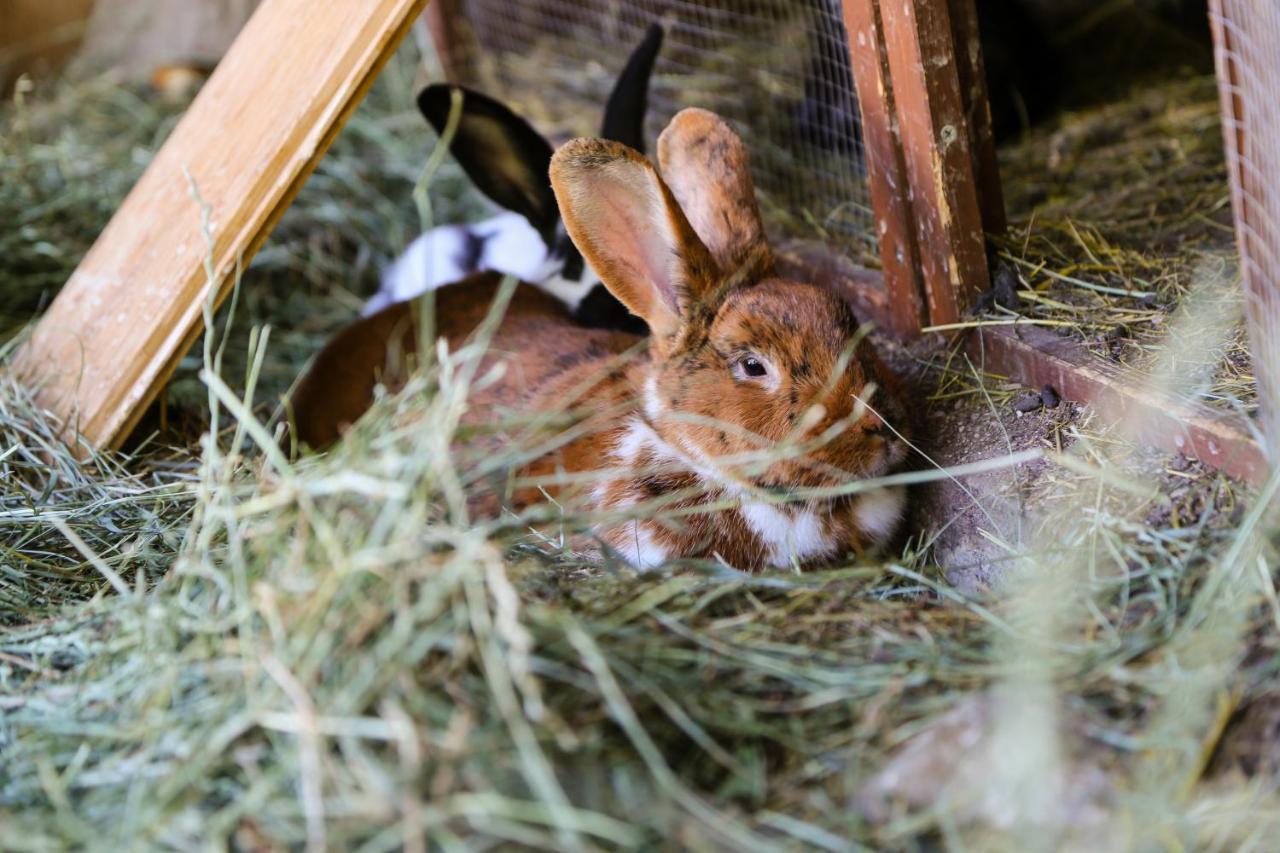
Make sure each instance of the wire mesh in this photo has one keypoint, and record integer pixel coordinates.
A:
(778, 69)
(1247, 49)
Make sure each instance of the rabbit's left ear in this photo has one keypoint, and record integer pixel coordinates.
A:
(502, 154)
(628, 226)
(705, 163)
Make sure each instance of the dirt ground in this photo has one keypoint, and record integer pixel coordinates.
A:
(977, 524)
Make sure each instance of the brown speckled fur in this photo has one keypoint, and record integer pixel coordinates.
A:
(677, 415)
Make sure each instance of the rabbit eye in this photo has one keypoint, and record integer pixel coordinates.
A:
(753, 367)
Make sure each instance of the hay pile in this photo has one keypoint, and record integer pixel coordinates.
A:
(1119, 211)
(206, 644)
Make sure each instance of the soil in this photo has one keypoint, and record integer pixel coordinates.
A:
(976, 525)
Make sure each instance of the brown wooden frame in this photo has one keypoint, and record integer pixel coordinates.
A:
(903, 311)
(930, 153)
(1037, 357)
(133, 307)
(933, 177)
(927, 127)
(1255, 184)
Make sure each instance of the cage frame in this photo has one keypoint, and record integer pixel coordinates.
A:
(935, 191)
(933, 179)
(895, 94)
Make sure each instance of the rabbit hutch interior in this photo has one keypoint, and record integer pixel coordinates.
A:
(1056, 222)
(872, 144)
(887, 162)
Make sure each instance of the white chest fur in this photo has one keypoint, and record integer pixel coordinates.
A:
(879, 511)
(789, 533)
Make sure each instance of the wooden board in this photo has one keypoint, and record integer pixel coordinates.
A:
(1037, 357)
(1248, 70)
(886, 170)
(114, 334)
(939, 162)
(38, 35)
(977, 110)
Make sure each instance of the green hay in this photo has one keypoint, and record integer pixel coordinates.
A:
(236, 650)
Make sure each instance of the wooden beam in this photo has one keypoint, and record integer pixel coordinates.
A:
(1248, 70)
(939, 163)
(886, 170)
(977, 111)
(255, 132)
(1036, 357)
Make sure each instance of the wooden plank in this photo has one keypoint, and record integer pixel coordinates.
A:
(255, 132)
(36, 35)
(977, 110)
(1248, 71)
(886, 170)
(939, 164)
(1036, 357)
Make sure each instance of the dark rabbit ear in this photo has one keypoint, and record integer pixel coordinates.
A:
(624, 113)
(504, 157)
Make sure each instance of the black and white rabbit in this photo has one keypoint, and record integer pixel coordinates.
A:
(508, 161)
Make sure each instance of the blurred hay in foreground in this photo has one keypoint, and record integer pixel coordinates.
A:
(211, 645)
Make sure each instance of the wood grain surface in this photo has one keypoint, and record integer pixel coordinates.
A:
(254, 134)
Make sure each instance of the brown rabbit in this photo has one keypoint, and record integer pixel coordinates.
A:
(739, 362)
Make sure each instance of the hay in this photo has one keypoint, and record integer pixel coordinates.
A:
(215, 646)
(1117, 211)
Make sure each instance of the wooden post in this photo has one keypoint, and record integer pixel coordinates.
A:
(886, 169)
(939, 161)
(977, 111)
(255, 132)
(1248, 69)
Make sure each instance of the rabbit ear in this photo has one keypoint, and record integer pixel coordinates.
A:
(628, 226)
(503, 155)
(624, 113)
(705, 164)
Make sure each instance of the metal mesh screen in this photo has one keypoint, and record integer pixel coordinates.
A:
(1247, 48)
(778, 69)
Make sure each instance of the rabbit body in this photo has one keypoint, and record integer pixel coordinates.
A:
(505, 243)
(752, 390)
(634, 417)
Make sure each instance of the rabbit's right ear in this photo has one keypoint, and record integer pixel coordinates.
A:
(628, 226)
(502, 154)
(705, 163)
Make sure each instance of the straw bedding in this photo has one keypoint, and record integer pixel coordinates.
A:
(203, 643)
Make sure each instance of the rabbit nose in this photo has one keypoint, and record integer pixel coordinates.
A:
(873, 424)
